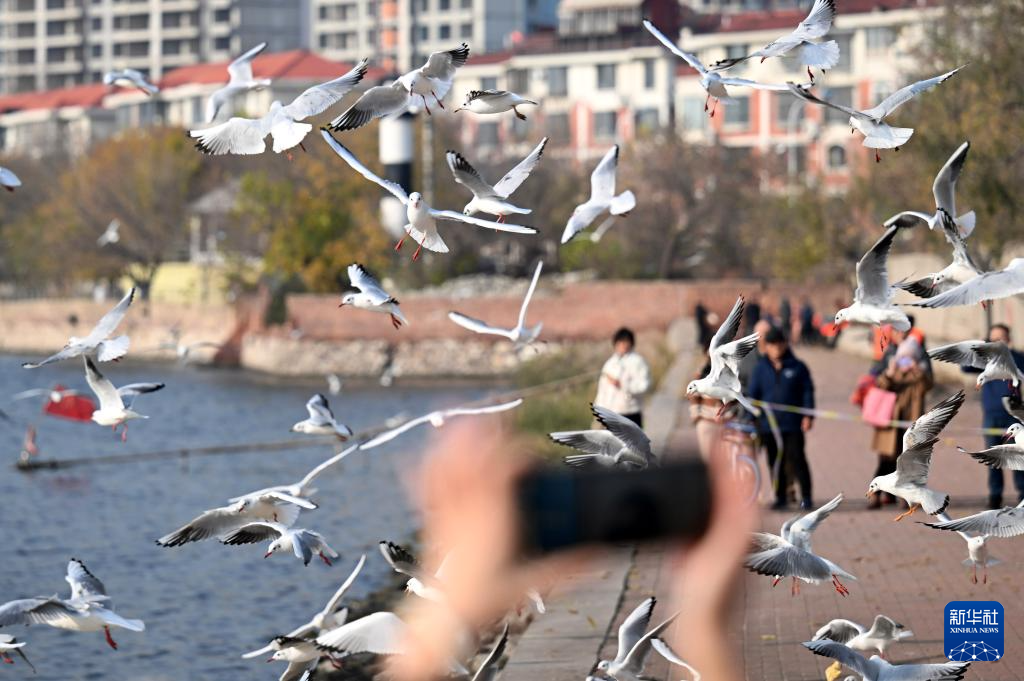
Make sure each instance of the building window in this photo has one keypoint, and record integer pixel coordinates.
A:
(879, 39)
(842, 96)
(54, 54)
(518, 80)
(521, 128)
(556, 127)
(606, 76)
(487, 134)
(171, 20)
(645, 121)
(222, 44)
(466, 4)
(323, 41)
(836, 157)
(423, 33)
(466, 31)
(444, 4)
(97, 24)
(489, 83)
(55, 28)
(737, 112)
(558, 81)
(605, 124)
(845, 55)
(26, 31)
(97, 51)
(788, 111)
(222, 16)
(694, 117)
(171, 47)
(649, 73)
(140, 49)
(444, 32)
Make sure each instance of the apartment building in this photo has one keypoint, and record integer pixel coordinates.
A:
(399, 34)
(49, 44)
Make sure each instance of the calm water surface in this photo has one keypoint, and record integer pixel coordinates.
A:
(204, 604)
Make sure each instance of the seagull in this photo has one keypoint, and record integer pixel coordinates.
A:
(304, 543)
(1004, 456)
(97, 341)
(818, 22)
(520, 334)
(494, 199)
(602, 197)
(621, 443)
(437, 419)
(8, 645)
(420, 582)
(331, 617)
(944, 191)
(713, 84)
(883, 633)
(872, 300)
(634, 644)
(112, 411)
(240, 79)
(777, 557)
(185, 351)
(422, 226)
(111, 235)
(130, 78)
(877, 669)
(333, 384)
(321, 420)
(52, 394)
(302, 488)
(871, 122)
(1003, 283)
(269, 506)
(977, 547)
(488, 670)
(797, 531)
(433, 78)
(302, 655)
(665, 651)
(723, 382)
(961, 270)
(246, 135)
(87, 609)
(992, 357)
(909, 480)
(133, 390)
(494, 102)
(371, 296)
(8, 180)
(1001, 522)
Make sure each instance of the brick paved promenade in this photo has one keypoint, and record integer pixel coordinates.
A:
(904, 570)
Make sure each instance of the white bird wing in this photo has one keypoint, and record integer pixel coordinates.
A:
(327, 464)
(998, 354)
(631, 434)
(905, 94)
(839, 630)
(663, 649)
(244, 136)
(949, 671)
(240, 70)
(319, 98)
(37, 611)
(913, 464)
(848, 657)
(518, 174)
(110, 321)
(466, 175)
(593, 442)
(133, 389)
(944, 187)
(529, 293)
(477, 325)
(113, 619)
(381, 633)
(690, 59)
(818, 21)
(633, 627)
(389, 435)
(730, 327)
(961, 353)
(361, 279)
(277, 496)
(1003, 457)
(488, 224)
(104, 389)
(803, 93)
(745, 82)
(602, 180)
(478, 411)
(581, 218)
(253, 533)
(873, 271)
(809, 522)
(349, 158)
(335, 601)
(319, 410)
(440, 68)
(488, 668)
(988, 286)
(928, 426)
(83, 583)
(208, 524)
(1003, 523)
(378, 101)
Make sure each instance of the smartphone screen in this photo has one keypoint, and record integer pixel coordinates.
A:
(564, 507)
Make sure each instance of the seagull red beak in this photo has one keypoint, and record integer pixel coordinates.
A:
(270, 659)
(266, 555)
(1007, 437)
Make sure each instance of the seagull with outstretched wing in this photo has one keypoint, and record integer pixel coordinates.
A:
(240, 79)
(722, 382)
(488, 199)
(873, 298)
(98, 341)
(520, 334)
(603, 198)
(371, 296)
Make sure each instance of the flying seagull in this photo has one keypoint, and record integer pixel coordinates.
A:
(872, 300)
(883, 633)
(778, 558)
(877, 669)
(97, 341)
(304, 543)
(371, 296)
(602, 197)
(420, 582)
(494, 102)
(301, 489)
(8, 645)
(620, 443)
(240, 79)
(437, 419)
(910, 479)
(112, 411)
(871, 122)
(977, 544)
(987, 286)
(722, 382)
(8, 180)
(422, 218)
(283, 122)
(635, 643)
(714, 84)
(494, 199)
(321, 420)
(961, 270)
(488, 670)
(130, 78)
(944, 191)
(433, 78)
(520, 334)
(993, 358)
(270, 506)
(111, 235)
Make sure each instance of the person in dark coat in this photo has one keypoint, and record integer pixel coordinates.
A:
(782, 379)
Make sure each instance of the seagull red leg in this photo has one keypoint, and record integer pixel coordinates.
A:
(398, 246)
(110, 639)
(439, 102)
(416, 255)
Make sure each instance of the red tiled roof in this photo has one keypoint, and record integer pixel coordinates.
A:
(293, 65)
(80, 95)
(788, 18)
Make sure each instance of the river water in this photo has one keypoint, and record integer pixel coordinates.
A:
(204, 604)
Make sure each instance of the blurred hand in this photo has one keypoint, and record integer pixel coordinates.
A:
(806, 424)
(614, 381)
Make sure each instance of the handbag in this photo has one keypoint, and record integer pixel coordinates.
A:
(878, 407)
(864, 383)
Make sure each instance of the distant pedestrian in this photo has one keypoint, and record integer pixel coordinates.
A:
(808, 328)
(704, 331)
(624, 379)
(748, 363)
(780, 378)
(995, 416)
(751, 315)
(786, 317)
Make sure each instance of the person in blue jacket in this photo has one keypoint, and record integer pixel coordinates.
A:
(780, 378)
(995, 416)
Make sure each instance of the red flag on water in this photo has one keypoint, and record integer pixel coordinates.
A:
(74, 407)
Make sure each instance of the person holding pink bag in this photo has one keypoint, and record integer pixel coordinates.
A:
(903, 378)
